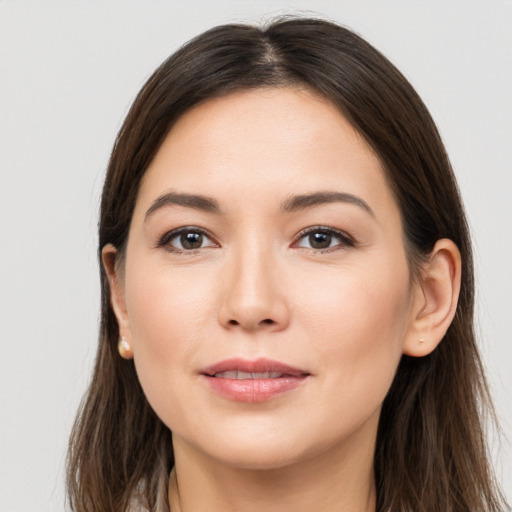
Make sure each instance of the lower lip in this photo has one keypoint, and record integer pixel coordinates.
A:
(253, 390)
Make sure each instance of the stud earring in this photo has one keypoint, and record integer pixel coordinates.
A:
(124, 348)
(421, 340)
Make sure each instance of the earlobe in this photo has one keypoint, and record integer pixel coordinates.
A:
(124, 348)
(436, 299)
(109, 256)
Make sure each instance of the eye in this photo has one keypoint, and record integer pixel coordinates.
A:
(186, 239)
(322, 238)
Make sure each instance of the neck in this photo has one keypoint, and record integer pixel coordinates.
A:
(337, 481)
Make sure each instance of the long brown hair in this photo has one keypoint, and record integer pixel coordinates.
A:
(431, 448)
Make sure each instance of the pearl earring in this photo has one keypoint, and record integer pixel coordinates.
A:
(124, 348)
(421, 340)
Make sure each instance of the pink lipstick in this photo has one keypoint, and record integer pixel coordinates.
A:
(252, 381)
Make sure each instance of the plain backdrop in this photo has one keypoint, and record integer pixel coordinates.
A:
(68, 73)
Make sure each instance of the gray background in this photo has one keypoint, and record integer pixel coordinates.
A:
(68, 73)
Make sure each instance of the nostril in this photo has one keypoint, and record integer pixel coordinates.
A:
(267, 321)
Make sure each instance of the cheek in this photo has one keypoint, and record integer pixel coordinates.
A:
(360, 323)
(164, 304)
(168, 315)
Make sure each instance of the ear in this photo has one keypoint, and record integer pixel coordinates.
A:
(114, 271)
(435, 303)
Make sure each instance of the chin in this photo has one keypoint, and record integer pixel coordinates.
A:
(244, 448)
(261, 449)
(258, 457)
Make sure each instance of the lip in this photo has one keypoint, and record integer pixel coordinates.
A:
(254, 389)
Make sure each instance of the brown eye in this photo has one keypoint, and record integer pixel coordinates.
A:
(186, 239)
(191, 240)
(322, 238)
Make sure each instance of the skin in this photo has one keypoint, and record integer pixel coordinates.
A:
(259, 287)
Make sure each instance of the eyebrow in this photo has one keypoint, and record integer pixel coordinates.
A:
(196, 202)
(294, 203)
(304, 201)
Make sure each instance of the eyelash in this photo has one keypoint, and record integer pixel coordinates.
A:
(168, 237)
(345, 241)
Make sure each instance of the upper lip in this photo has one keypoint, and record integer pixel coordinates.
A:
(257, 366)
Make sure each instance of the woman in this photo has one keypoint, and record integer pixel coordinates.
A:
(287, 291)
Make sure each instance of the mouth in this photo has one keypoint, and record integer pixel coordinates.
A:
(240, 375)
(252, 381)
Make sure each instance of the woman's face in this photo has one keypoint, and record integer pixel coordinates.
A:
(266, 289)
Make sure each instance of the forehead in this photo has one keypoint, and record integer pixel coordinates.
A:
(280, 118)
(245, 143)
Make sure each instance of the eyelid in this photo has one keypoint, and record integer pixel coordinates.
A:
(164, 240)
(346, 239)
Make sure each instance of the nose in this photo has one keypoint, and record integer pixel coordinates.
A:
(253, 295)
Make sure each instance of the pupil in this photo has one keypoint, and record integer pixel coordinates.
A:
(320, 240)
(191, 240)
